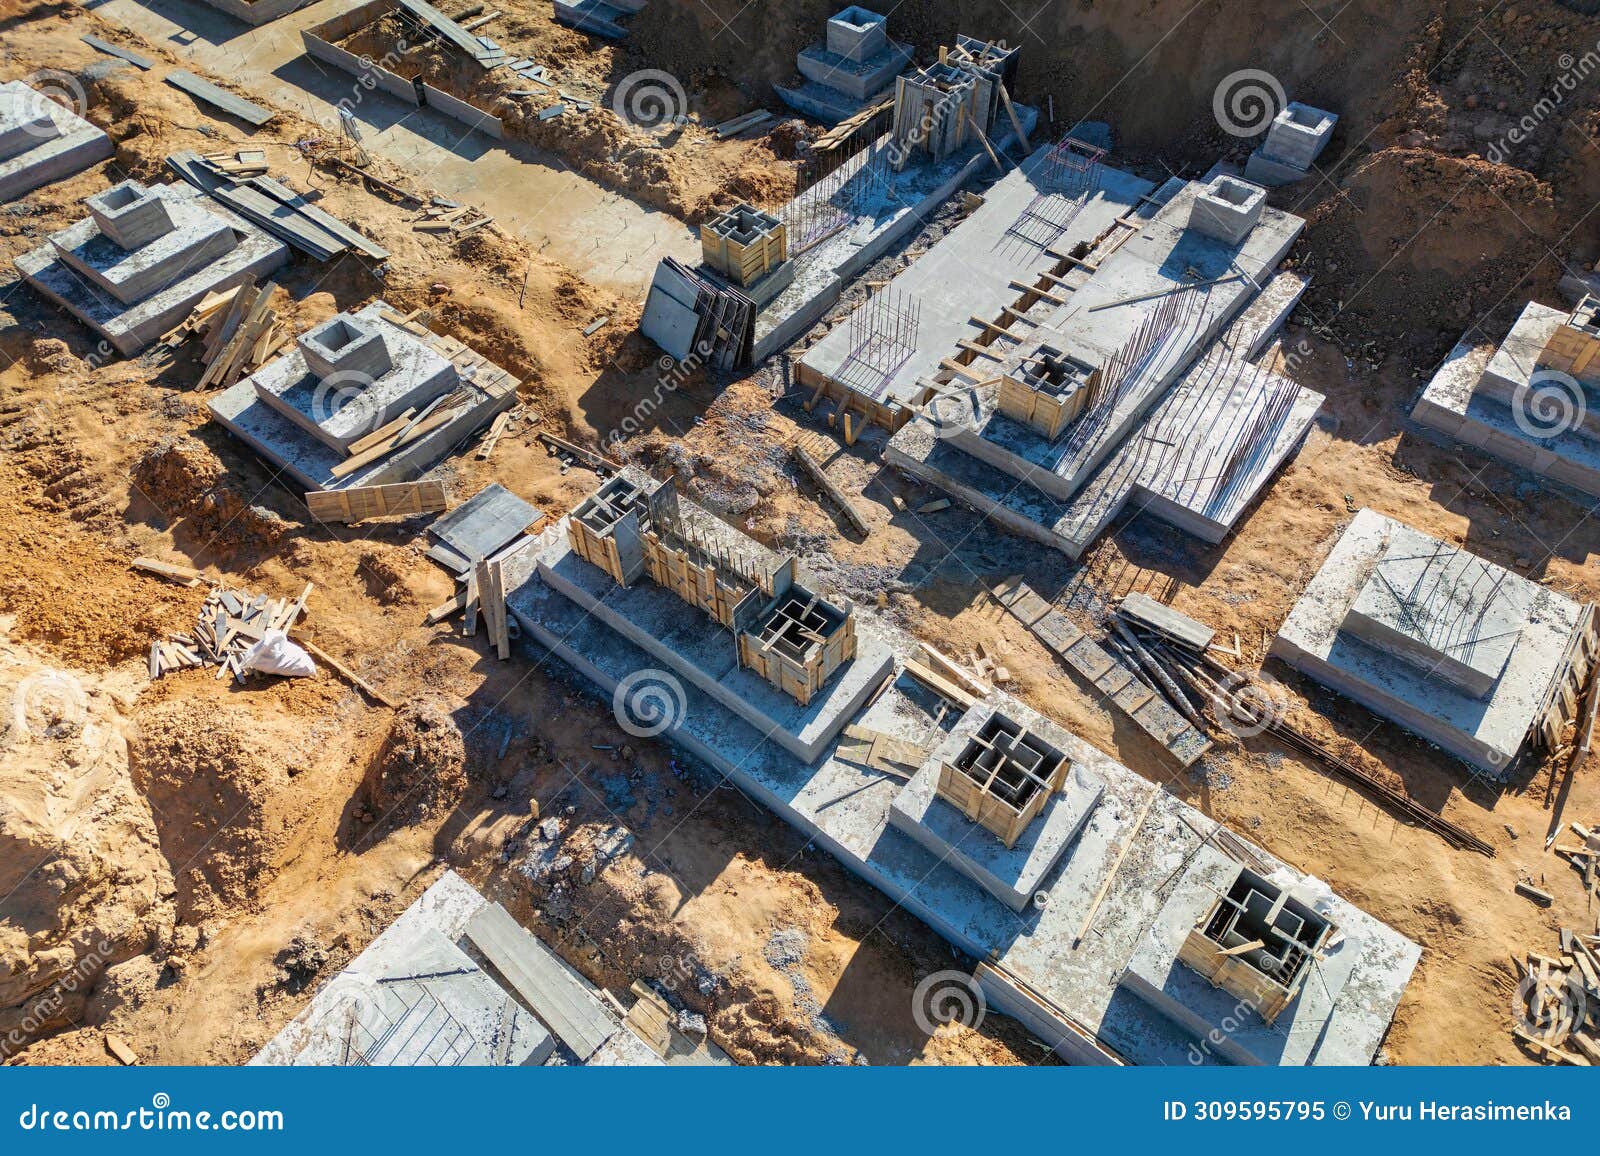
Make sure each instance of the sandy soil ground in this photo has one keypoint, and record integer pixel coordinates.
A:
(218, 810)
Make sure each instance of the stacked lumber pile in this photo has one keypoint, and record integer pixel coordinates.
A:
(229, 624)
(1558, 1001)
(441, 215)
(240, 164)
(239, 330)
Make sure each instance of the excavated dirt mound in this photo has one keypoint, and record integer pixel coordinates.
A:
(216, 776)
(86, 886)
(1421, 246)
(422, 768)
(186, 480)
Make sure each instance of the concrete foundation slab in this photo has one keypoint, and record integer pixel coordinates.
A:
(274, 420)
(42, 142)
(1227, 1024)
(707, 655)
(1487, 398)
(423, 994)
(971, 270)
(1485, 731)
(129, 327)
(1014, 875)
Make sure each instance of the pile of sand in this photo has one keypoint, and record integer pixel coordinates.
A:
(188, 481)
(216, 777)
(86, 886)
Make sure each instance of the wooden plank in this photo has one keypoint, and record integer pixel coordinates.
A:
(1111, 875)
(362, 502)
(1166, 621)
(219, 98)
(813, 469)
(496, 428)
(183, 575)
(347, 674)
(351, 464)
(955, 672)
(940, 685)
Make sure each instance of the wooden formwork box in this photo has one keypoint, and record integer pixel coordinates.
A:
(745, 264)
(1571, 350)
(799, 681)
(595, 550)
(891, 415)
(1232, 974)
(1044, 412)
(698, 584)
(1562, 699)
(991, 812)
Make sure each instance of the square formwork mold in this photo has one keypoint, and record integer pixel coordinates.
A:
(857, 34)
(346, 347)
(130, 214)
(1227, 209)
(1299, 133)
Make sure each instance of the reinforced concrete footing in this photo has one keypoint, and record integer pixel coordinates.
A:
(319, 412)
(1455, 649)
(41, 141)
(1523, 402)
(144, 257)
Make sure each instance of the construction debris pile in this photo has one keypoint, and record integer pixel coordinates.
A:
(1558, 1000)
(231, 624)
(240, 331)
